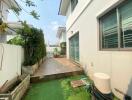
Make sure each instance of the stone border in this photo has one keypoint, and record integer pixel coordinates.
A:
(36, 79)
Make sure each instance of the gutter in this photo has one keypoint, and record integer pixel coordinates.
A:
(59, 7)
(66, 3)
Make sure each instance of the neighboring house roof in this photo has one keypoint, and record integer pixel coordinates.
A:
(17, 25)
(17, 5)
(63, 7)
(60, 30)
(13, 26)
(11, 3)
(53, 45)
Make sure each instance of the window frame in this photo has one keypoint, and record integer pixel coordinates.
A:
(119, 48)
(76, 33)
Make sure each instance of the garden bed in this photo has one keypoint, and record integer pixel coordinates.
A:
(17, 90)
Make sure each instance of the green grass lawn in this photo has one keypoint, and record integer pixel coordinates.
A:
(57, 90)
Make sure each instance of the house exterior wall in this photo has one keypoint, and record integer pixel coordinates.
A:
(3, 38)
(117, 64)
(4, 15)
(5, 6)
(62, 37)
(5, 11)
(11, 59)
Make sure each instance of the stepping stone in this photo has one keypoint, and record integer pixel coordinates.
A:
(77, 83)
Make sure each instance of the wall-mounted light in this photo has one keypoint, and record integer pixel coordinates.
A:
(71, 32)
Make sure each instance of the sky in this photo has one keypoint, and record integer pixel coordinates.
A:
(49, 18)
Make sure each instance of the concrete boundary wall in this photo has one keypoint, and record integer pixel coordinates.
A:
(11, 59)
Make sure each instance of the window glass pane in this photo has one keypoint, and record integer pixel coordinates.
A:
(74, 47)
(77, 47)
(126, 23)
(109, 30)
(73, 4)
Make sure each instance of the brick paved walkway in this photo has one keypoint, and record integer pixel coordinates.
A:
(65, 62)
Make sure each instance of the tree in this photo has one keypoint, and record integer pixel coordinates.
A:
(32, 40)
(17, 11)
(28, 3)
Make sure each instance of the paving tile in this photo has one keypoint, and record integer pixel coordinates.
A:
(56, 66)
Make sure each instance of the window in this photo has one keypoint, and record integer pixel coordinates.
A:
(74, 47)
(116, 27)
(110, 31)
(73, 4)
(126, 24)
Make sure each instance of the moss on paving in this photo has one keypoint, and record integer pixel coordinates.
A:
(57, 90)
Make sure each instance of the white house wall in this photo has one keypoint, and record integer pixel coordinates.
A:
(63, 37)
(4, 11)
(79, 8)
(10, 66)
(3, 38)
(118, 64)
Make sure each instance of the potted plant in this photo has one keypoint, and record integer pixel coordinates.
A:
(3, 26)
(56, 53)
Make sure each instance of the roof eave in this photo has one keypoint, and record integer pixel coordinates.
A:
(63, 7)
(13, 3)
(17, 5)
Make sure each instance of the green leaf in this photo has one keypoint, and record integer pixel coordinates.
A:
(34, 14)
(16, 10)
(30, 3)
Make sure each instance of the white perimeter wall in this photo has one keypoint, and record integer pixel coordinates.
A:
(118, 64)
(50, 51)
(12, 61)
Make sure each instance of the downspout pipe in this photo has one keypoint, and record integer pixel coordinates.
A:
(2, 56)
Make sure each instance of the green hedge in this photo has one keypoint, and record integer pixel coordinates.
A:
(63, 48)
(18, 40)
(32, 39)
(34, 47)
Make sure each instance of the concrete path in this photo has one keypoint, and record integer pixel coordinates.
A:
(53, 66)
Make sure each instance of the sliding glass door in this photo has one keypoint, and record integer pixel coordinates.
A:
(74, 47)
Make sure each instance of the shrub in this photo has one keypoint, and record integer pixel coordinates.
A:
(17, 41)
(32, 39)
(34, 47)
(63, 48)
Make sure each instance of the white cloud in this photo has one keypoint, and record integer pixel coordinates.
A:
(54, 25)
(51, 31)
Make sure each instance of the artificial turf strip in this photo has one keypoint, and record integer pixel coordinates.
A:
(57, 90)
(45, 91)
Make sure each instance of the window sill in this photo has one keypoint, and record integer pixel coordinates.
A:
(121, 49)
